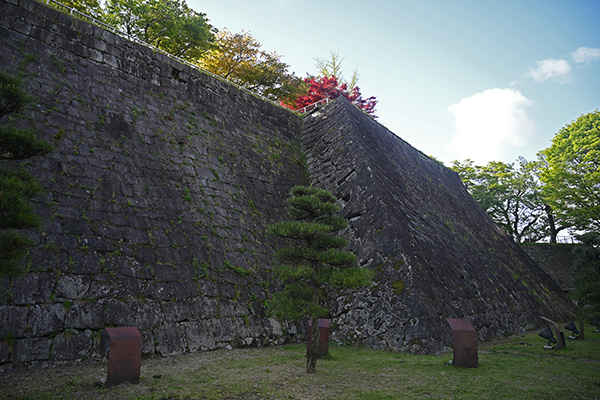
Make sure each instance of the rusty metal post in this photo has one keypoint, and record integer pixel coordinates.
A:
(125, 356)
(323, 336)
(464, 340)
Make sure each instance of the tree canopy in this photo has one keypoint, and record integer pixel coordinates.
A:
(89, 7)
(571, 175)
(332, 66)
(179, 30)
(510, 194)
(169, 25)
(238, 57)
(329, 84)
(314, 264)
(330, 88)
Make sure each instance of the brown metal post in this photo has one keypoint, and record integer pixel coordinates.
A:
(324, 324)
(464, 340)
(125, 356)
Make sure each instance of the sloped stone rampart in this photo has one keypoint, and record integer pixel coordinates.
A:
(436, 253)
(157, 196)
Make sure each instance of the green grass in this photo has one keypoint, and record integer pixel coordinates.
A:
(514, 368)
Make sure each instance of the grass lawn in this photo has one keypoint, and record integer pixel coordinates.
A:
(513, 368)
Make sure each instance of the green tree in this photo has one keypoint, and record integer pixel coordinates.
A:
(572, 174)
(240, 59)
(16, 187)
(510, 194)
(314, 265)
(169, 25)
(90, 7)
(332, 66)
(587, 278)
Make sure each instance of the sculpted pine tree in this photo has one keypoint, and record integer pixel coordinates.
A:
(16, 186)
(313, 262)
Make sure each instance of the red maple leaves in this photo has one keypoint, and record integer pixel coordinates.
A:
(330, 87)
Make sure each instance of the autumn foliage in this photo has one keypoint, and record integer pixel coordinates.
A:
(330, 87)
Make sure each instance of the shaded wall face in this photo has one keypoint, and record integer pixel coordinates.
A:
(435, 252)
(157, 196)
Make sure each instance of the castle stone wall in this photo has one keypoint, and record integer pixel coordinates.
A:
(161, 186)
(436, 253)
(157, 196)
(556, 259)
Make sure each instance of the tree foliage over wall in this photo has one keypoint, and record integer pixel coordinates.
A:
(89, 7)
(571, 173)
(535, 199)
(510, 194)
(169, 25)
(177, 29)
(238, 57)
(330, 88)
(330, 84)
(332, 66)
(16, 186)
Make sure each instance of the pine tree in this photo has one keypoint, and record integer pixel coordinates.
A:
(16, 186)
(314, 264)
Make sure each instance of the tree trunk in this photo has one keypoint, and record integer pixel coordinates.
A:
(551, 223)
(312, 351)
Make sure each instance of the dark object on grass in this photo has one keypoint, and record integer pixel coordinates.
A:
(560, 336)
(571, 327)
(464, 339)
(546, 333)
(125, 356)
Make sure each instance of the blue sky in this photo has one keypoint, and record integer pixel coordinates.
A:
(485, 80)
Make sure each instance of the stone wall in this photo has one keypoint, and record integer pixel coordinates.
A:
(436, 253)
(556, 259)
(163, 181)
(157, 196)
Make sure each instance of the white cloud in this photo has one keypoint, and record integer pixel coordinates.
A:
(550, 69)
(585, 54)
(490, 124)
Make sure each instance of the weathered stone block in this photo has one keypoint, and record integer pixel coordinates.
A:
(31, 349)
(32, 288)
(119, 313)
(149, 315)
(45, 319)
(85, 315)
(170, 340)
(4, 352)
(71, 347)
(14, 321)
(86, 263)
(72, 287)
(199, 335)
